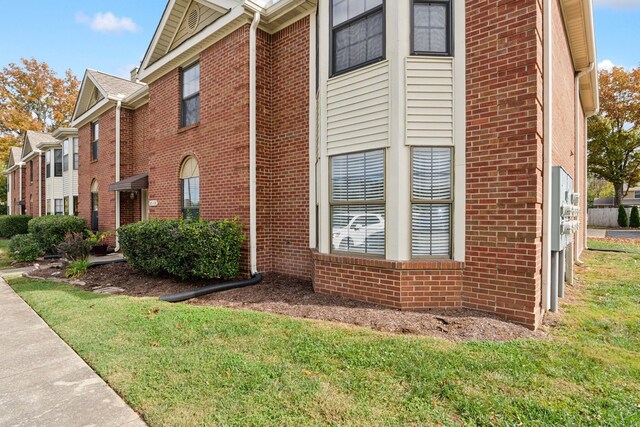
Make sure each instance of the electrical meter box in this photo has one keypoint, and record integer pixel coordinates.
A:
(565, 210)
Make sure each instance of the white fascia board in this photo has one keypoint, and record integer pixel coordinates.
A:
(147, 71)
(133, 100)
(92, 113)
(156, 36)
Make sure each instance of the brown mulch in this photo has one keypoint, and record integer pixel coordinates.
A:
(293, 297)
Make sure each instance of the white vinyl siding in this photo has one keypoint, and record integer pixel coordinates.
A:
(358, 110)
(429, 101)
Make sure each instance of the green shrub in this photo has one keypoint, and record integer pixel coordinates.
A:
(11, 225)
(634, 220)
(74, 247)
(50, 231)
(24, 248)
(623, 218)
(186, 249)
(77, 268)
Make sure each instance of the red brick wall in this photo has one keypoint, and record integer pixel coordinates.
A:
(563, 96)
(102, 170)
(398, 284)
(30, 187)
(504, 159)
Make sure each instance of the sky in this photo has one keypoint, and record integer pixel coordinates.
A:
(113, 35)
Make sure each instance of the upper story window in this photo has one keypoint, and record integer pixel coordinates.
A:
(431, 29)
(65, 155)
(358, 203)
(75, 153)
(47, 167)
(357, 33)
(95, 137)
(190, 108)
(31, 171)
(57, 159)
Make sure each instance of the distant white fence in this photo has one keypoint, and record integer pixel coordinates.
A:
(604, 217)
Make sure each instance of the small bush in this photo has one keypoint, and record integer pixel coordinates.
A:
(634, 219)
(623, 218)
(11, 225)
(75, 247)
(186, 249)
(24, 248)
(50, 231)
(77, 268)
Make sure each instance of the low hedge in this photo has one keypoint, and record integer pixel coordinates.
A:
(11, 225)
(50, 231)
(186, 249)
(24, 248)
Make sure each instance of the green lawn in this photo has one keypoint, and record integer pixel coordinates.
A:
(605, 244)
(187, 365)
(5, 260)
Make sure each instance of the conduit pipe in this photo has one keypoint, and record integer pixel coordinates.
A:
(255, 276)
(39, 182)
(547, 155)
(21, 196)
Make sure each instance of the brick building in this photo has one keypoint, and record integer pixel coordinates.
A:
(394, 152)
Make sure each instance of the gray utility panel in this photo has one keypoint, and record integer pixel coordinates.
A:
(564, 210)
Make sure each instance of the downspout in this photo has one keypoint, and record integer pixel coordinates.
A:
(252, 143)
(118, 113)
(547, 155)
(39, 182)
(21, 196)
(577, 151)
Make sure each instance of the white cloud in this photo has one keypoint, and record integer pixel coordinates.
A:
(107, 22)
(606, 64)
(619, 4)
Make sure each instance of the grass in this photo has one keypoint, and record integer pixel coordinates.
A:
(5, 259)
(187, 365)
(611, 244)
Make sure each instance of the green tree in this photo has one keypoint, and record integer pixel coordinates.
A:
(634, 220)
(623, 218)
(598, 188)
(614, 133)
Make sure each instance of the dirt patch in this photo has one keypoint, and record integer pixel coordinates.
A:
(293, 297)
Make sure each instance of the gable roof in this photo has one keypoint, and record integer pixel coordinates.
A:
(32, 139)
(98, 87)
(14, 156)
(182, 19)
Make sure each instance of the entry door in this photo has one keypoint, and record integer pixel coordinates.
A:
(94, 211)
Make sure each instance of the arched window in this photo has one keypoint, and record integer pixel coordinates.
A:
(94, 205)
(190, 188)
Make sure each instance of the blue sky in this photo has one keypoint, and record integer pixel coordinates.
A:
(113, 35)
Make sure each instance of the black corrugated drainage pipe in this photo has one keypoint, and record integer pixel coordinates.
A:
(187, 295)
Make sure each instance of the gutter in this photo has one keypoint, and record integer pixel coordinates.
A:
(39, 181)
(252, 143)
(547, 154)
(578, 144)
(118, 114)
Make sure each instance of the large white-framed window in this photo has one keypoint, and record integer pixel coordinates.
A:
(358, 203)
(47, 160)
(190, 92)
(190, 189)
(75, 153)
(95, 139)
(431, 202)
(431, 29)
(59, 206)
(357, 34)
(57, 162)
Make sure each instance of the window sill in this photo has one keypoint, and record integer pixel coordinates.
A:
(186, 128)
(93, 161)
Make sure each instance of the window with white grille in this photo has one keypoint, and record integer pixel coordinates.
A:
(432, 200)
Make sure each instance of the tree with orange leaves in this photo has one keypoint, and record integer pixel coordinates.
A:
(614, 133)
(33, 97)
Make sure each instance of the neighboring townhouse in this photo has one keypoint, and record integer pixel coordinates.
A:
(415, 154)
(61, 159)
(33, 191)
(632, 198)
(15, 181)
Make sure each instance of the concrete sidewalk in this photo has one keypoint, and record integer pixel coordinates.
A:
(43, 381)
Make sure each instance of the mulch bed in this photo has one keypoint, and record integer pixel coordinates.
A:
(293, 297)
